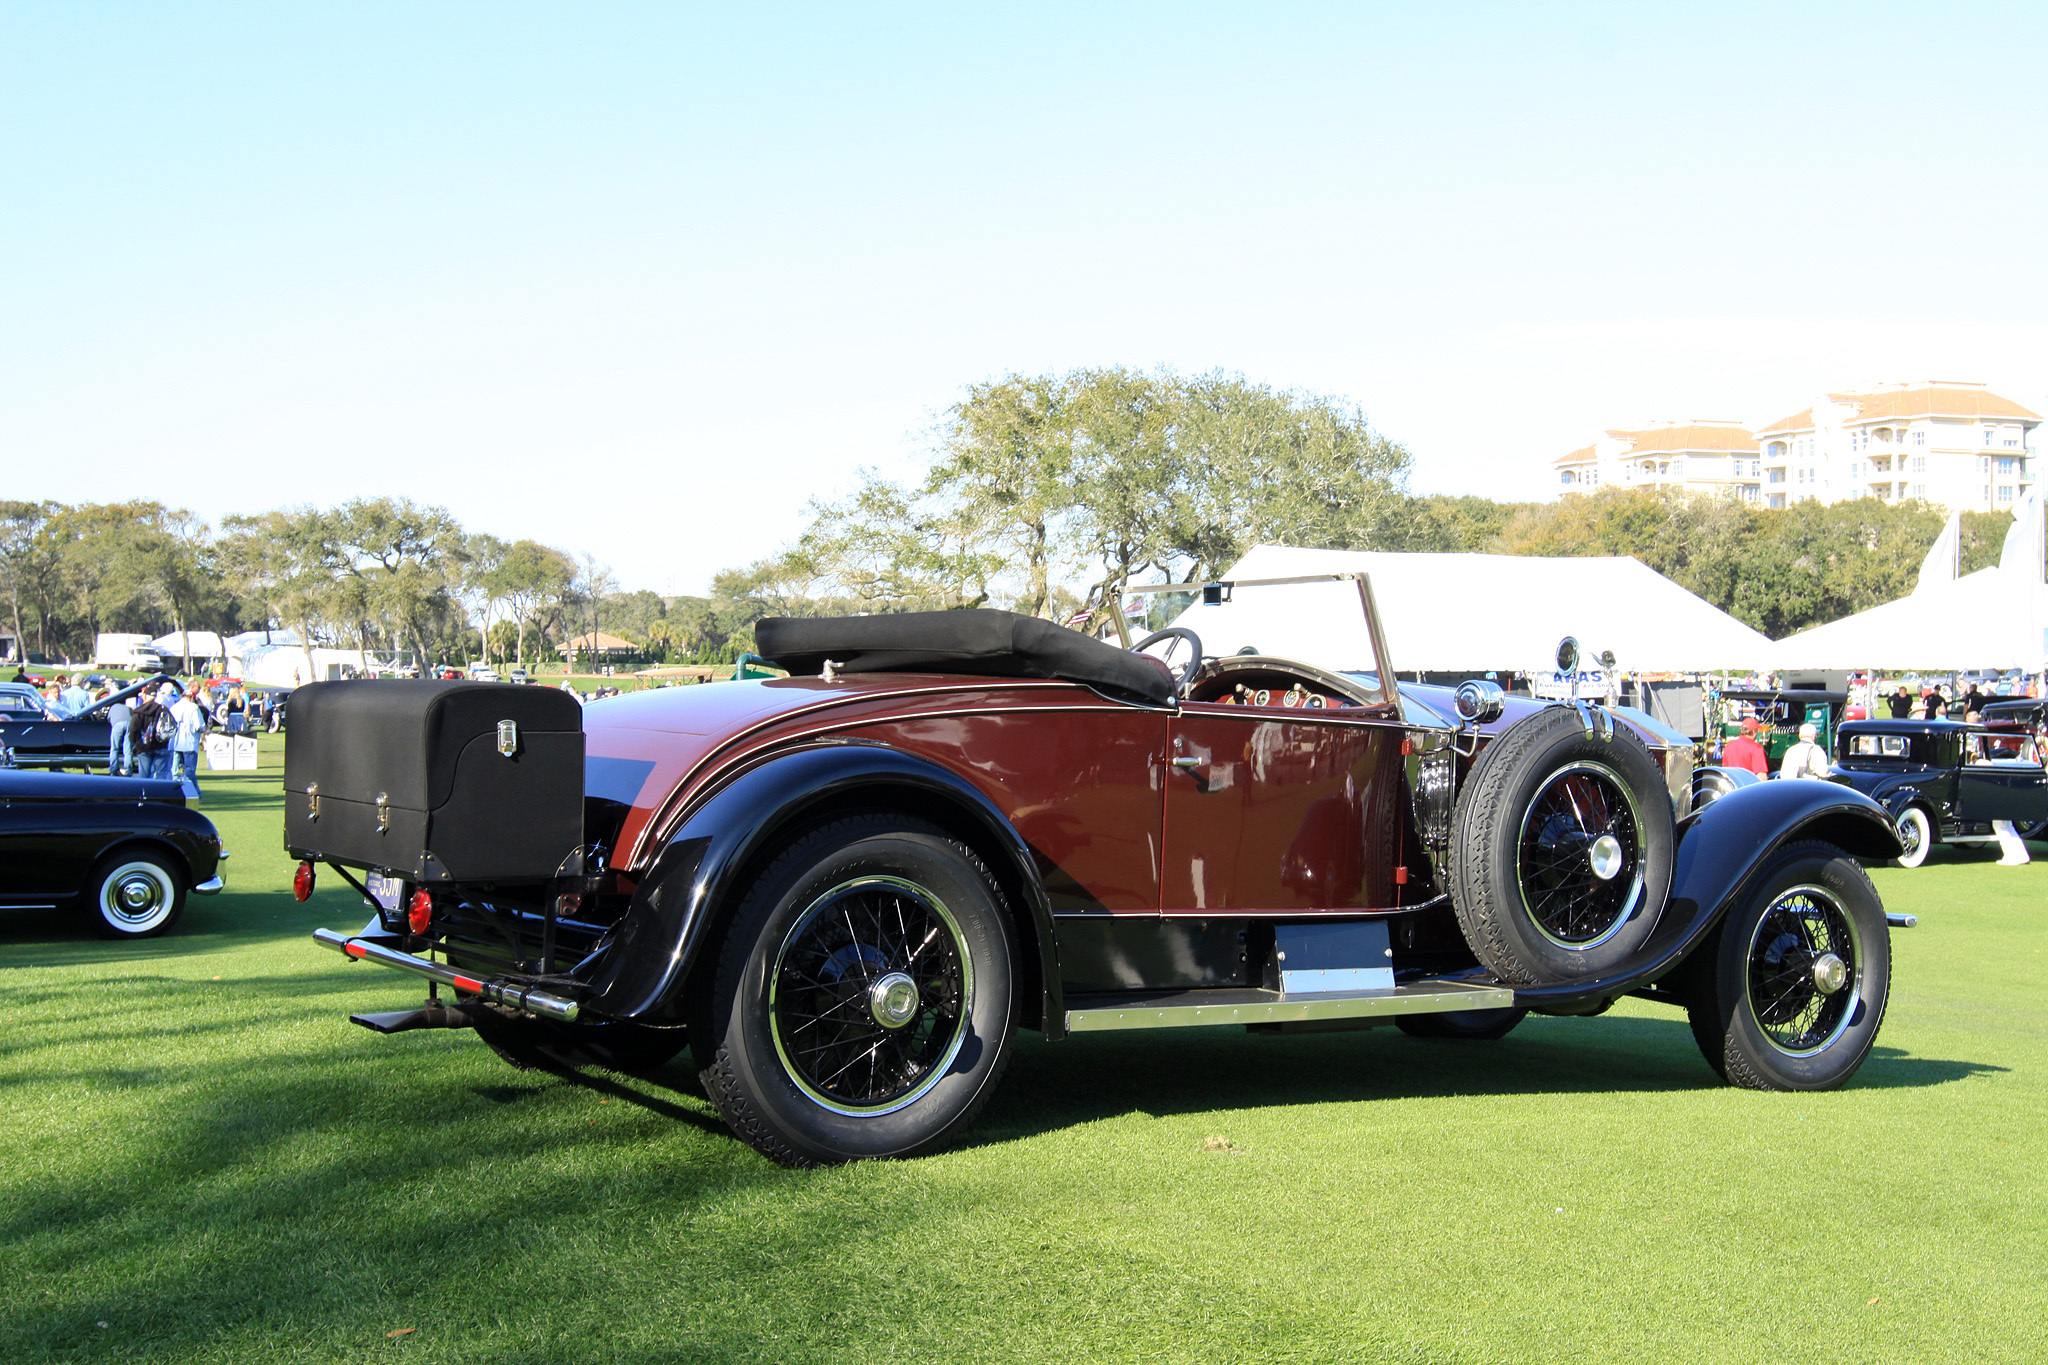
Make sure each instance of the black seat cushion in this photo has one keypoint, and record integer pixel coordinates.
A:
(995, 643)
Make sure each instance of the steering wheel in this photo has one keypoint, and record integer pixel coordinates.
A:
(1187, 675)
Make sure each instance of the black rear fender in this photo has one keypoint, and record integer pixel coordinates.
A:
(707, 865)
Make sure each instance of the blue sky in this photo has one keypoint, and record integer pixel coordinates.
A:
(640, 280)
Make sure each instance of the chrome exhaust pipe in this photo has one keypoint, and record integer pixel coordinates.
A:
(533, 1000)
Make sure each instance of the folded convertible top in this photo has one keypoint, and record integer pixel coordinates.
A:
(997, 643)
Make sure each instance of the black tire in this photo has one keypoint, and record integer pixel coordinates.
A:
(1536, 904)
(901, 889)
(546, 1045)
(133, 894)
(1760, 1009)
(1477, 1026)
(1916, 836)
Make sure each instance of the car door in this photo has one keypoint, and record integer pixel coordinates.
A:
(45, 846)
(1278, 812)
(2000, 788)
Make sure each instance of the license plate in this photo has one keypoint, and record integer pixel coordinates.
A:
(386, 891)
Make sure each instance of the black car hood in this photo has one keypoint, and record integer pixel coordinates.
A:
(22, 784)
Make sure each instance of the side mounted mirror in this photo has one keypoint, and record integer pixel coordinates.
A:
(1568, 655)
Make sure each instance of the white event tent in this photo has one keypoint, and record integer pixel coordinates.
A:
(1993, 618)
(1446, 613)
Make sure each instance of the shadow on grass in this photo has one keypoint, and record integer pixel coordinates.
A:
(216, 1180)
(1051, 1086)
(210, 924)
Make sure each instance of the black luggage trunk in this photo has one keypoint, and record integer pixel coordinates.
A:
(435, 782)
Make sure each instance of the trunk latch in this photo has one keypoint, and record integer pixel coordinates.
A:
(508, 737)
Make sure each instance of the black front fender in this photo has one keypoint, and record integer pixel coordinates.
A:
(1719, 847)
(702, 869)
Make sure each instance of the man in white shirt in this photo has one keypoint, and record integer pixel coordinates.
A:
(1806, 758)
(191, 719)
(73, 699)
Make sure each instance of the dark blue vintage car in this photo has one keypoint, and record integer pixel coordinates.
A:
(124, 851)
(1945, 781)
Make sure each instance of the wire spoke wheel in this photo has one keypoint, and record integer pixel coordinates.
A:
(1580, 856)
(1803, 959)
(870, 995)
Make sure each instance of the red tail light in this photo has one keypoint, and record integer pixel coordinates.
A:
(302, 881)
(419, 911)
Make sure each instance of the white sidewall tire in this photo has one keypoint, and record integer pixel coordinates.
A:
(134, 895)
(1916, 818)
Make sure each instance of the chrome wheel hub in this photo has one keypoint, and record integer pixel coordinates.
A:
(893, 1000)
(1830, 973)
(137, 892)
(1605, 857)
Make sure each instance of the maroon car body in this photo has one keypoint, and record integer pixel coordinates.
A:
(767, 864)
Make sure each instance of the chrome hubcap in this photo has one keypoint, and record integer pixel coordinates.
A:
(893, 1000)
(1605, 856)
(1830, 973)
(137, 897)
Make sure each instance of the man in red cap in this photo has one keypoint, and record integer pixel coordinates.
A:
(1744, 752)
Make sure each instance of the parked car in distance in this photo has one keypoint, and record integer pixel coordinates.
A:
(1945, 781)
(125, 852)
(517, 675)
(845, 889)
(482, 673)
(1780, 714)
(37, 739)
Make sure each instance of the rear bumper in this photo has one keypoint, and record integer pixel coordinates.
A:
(519, 996)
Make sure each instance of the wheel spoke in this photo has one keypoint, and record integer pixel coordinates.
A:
(825, 1027)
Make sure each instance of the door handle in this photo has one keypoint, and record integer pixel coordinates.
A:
(1186, 762)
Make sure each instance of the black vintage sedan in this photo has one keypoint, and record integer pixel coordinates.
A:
(124, 851)
(1945, 781)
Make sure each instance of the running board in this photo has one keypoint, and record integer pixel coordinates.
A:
(1190, 1009)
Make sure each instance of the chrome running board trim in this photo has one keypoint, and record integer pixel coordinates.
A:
(534, 1001)
(1190, 1009)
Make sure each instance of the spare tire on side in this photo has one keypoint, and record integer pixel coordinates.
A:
(1562, 850)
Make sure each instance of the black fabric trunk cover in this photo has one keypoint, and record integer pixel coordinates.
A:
(1000, 644)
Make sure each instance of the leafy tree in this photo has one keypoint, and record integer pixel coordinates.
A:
(27, 565)
(532, 579)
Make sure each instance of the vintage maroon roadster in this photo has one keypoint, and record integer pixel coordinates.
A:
(846, 889)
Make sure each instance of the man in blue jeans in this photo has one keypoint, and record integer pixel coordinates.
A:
(120, 746)
(191, 720)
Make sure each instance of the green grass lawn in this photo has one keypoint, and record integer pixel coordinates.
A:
(201, 1159)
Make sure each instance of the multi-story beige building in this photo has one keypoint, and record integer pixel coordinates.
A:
(1944, 441)
(1948, 442)
(1699, 456)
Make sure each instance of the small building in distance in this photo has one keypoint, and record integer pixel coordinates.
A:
(1949, 442)
(1700, 456)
